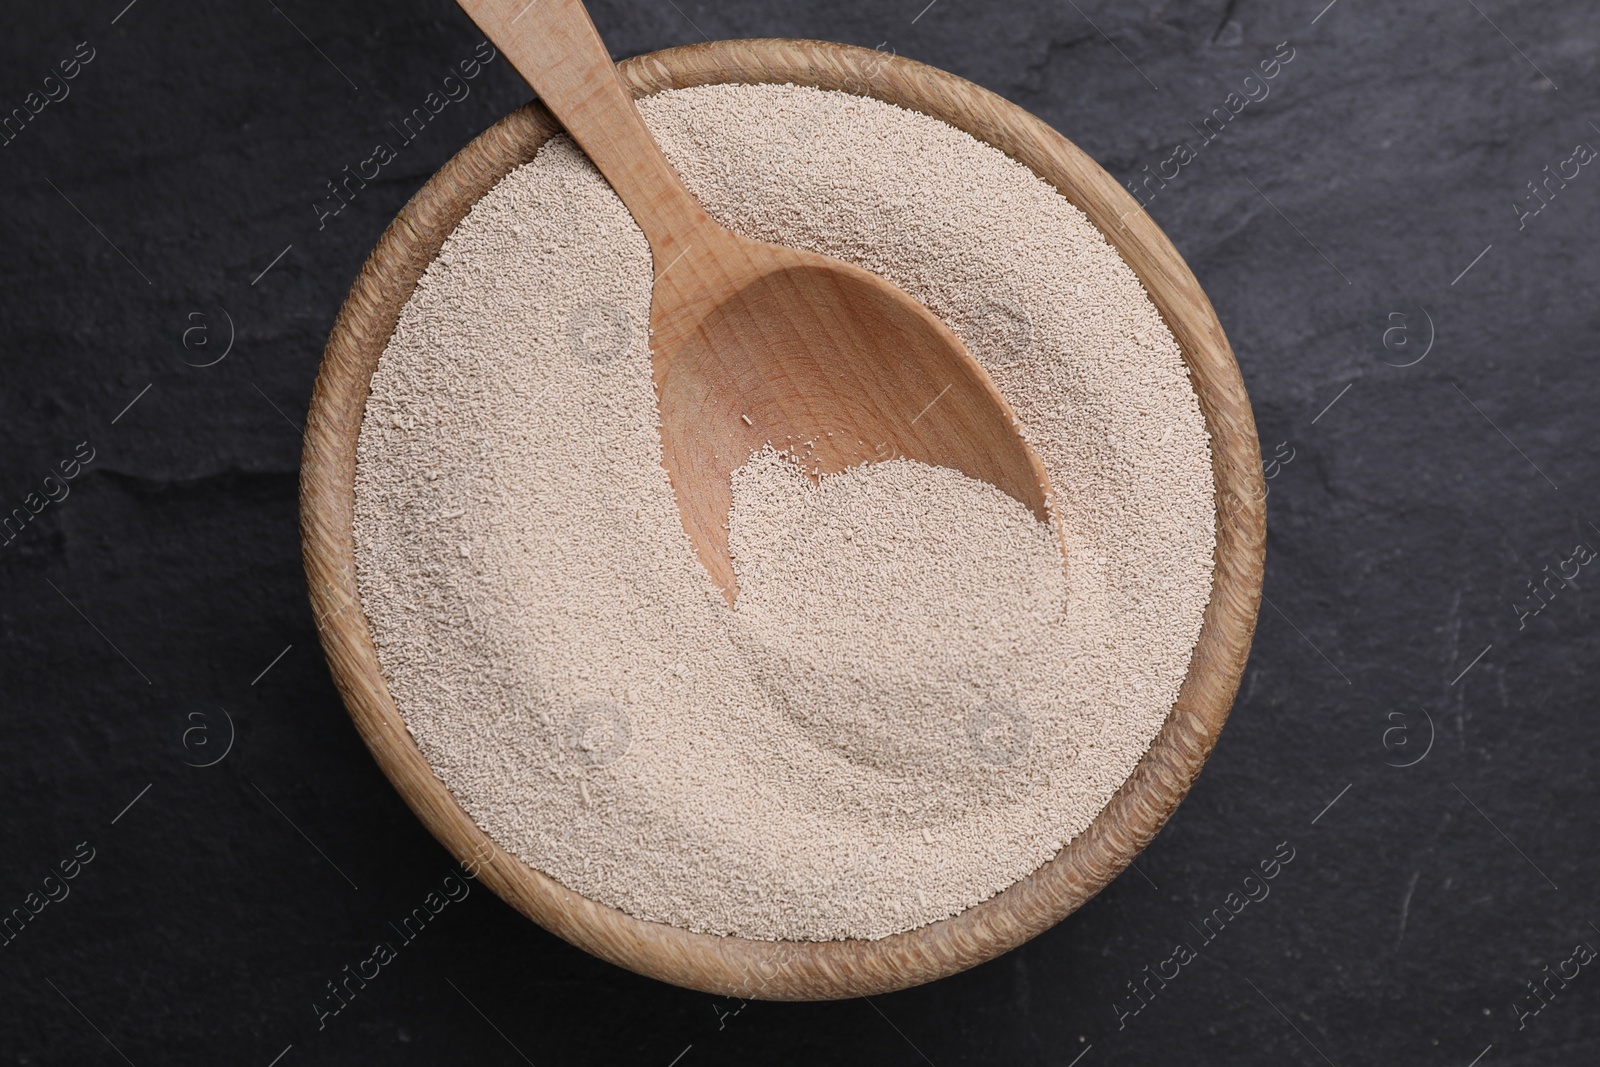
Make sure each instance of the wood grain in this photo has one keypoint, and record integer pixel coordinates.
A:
(752, 343)
(738, 966)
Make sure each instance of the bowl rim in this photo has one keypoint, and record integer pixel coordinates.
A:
(736, 966)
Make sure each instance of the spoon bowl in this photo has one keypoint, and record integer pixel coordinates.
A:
(755, 344)
(829, 364)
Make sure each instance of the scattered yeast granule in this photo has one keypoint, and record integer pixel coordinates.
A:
(914, 704)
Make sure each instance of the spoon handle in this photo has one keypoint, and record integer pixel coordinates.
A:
(555, 47)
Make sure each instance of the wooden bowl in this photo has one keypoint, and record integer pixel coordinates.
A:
(735, 966)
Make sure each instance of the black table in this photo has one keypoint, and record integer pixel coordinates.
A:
(1416, 325)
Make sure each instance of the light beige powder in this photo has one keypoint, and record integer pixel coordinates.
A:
(913, 705)
(906, 618)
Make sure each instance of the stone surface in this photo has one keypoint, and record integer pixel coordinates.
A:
(139, 612)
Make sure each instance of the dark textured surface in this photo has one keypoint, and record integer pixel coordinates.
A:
(1404, 532)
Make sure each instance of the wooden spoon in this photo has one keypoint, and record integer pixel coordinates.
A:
(753, 343)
